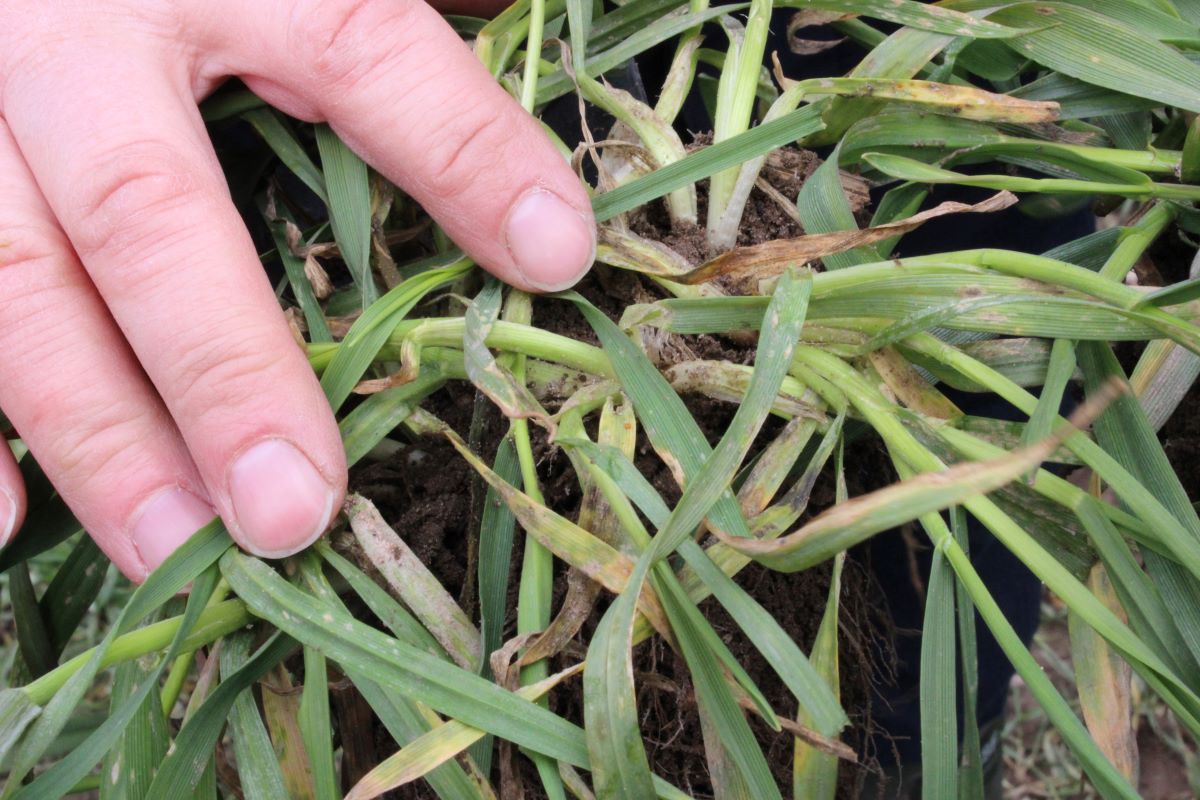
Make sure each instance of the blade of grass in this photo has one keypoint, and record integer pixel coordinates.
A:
(613, 738)
(413, 582)
(707, 578)
(316, 728)
(17, 711)
(620, 767)
(1168, 532)
(908, 169)
(856, 520)
(916, 15)
(45, 513)
(511, 396)
(496, 528)
(258, 769)
(938, 686)
(349, 206)
(436, 747)
(1096, 49)
(1140, 597)
(713, 694)
(660, 30)
(970, 775)
(184, 565)
(736, 98)
(282, 141)
(875, 408)
(277, 221)
(1058, 374)
(33, 638)
(1105, 777)
(814, 774)
(400, 666)
(369, 332)
(129, 766)
(188, 760)
(707, 161)
(1125, 432)
(200, 549)
(1104, 684)
(71, 591)
(398, 619)
(375, 418)
(404, 719)
(281, 711)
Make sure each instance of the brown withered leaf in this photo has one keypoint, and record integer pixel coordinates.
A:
(1103, 677)
(627, 250)
(504, 660)
(582, 592)
(281, 713)
(807, 735)
(766, 260)
(812, 18)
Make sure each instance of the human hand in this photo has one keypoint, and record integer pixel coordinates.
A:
(143, 356)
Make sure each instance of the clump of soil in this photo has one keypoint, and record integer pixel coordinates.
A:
(431, 509)
(431, 498)
(763, 220)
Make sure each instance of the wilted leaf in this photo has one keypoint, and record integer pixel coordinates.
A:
(755, 262)
(414, 583)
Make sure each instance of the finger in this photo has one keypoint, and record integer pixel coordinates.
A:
(12, 492)
(143, 200)
(402, 90)
(77, 397)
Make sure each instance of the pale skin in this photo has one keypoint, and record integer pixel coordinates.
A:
(144, 359)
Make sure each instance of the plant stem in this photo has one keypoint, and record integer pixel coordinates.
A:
(183, 663)
(505, 335)
(213, 623)
(1134, 241)
(537, 564)
(533, 604)
(533, 52)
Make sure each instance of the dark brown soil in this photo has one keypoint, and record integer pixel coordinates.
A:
(1181, 440)
(430, 496)
(431, 510)
(763, 220)
(1169, 262)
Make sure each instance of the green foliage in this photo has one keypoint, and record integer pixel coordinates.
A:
(1050, 100)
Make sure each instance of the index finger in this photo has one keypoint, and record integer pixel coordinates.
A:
(401, 89)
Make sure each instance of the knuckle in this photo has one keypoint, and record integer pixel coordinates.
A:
(464, 151)
(27, 249)
(223, 378)
(92, 440)
(33, 319)
(36, 284)
(127, 195)
(341, 39)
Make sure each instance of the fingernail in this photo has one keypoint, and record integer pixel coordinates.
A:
(8, 517)
(168, 519)
(552, 244)
(280, 501)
